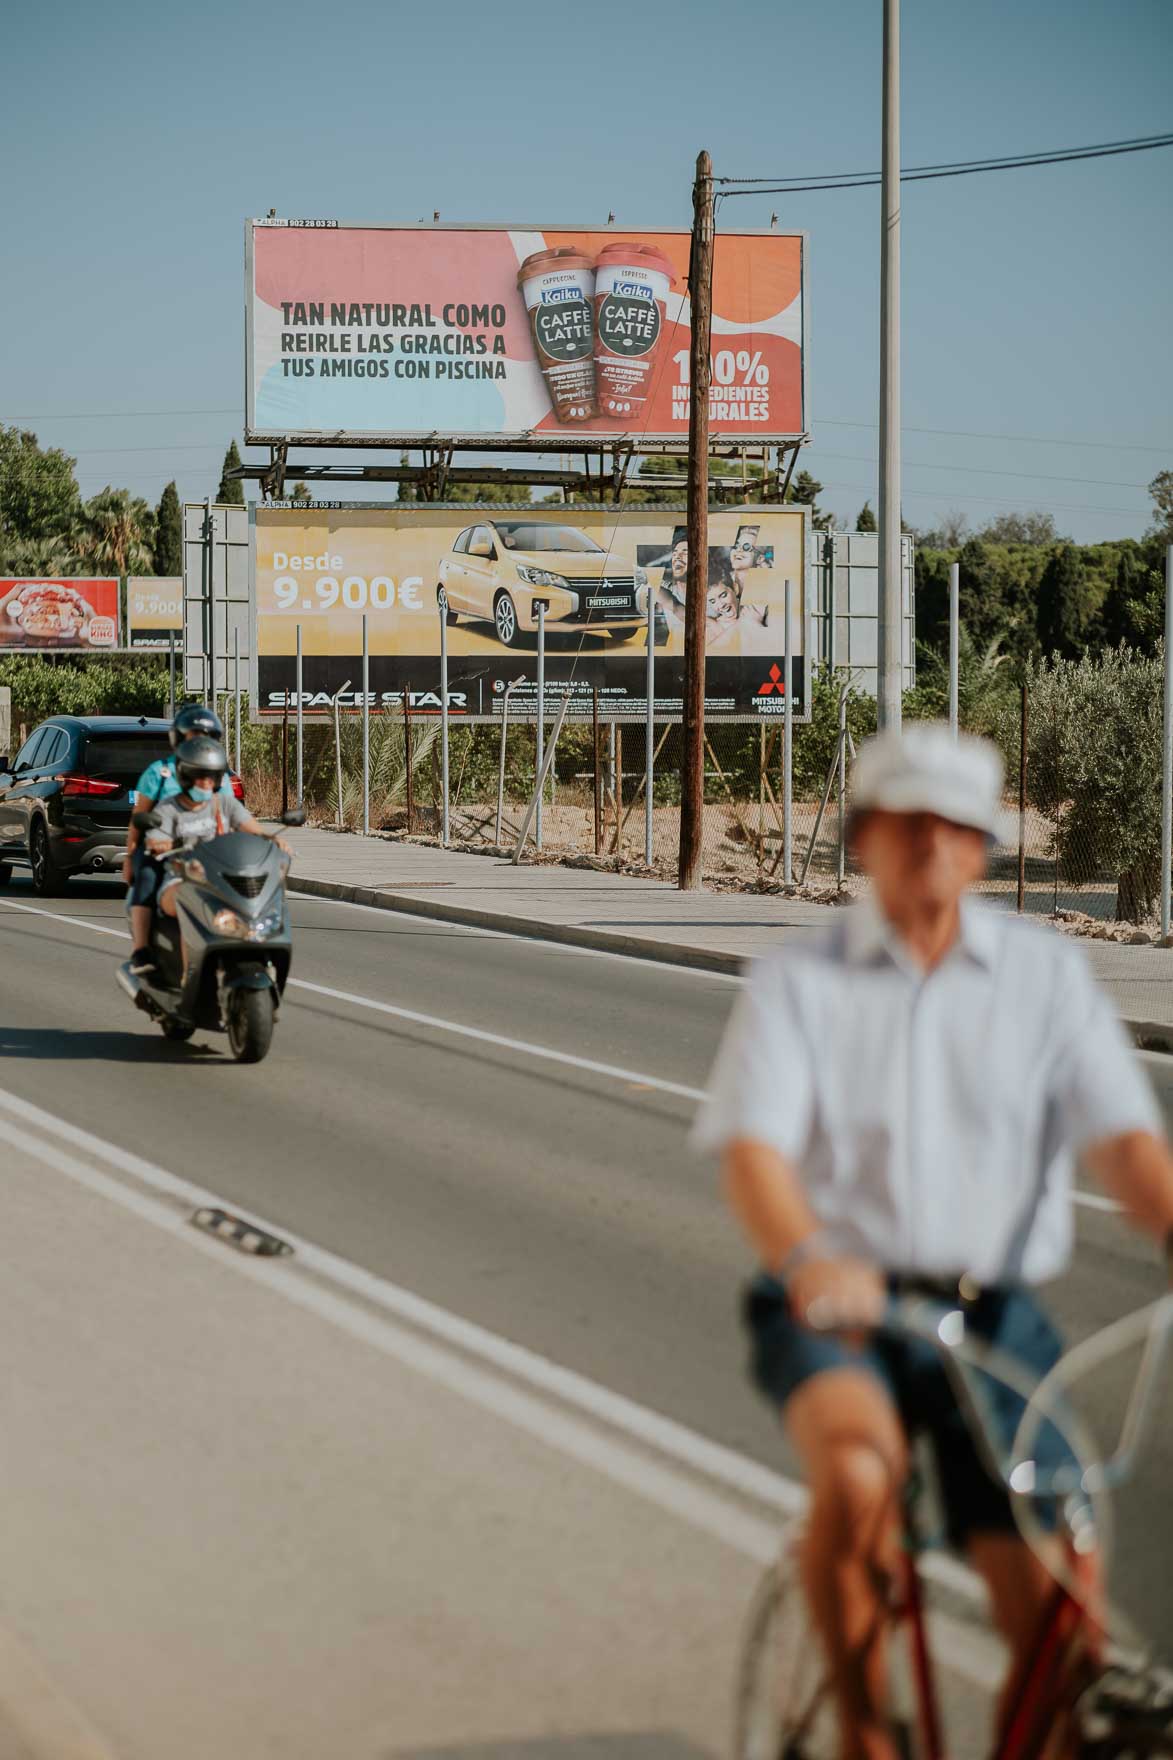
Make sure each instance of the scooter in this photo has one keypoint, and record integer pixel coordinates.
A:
(233, 919)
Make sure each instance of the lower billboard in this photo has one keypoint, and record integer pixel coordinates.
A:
(154, 610)
(487, 570)
(62, 612)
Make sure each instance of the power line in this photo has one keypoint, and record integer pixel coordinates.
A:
(966, 470)
(109, 415)
(943, 496)
(1026, 439)
(960, 168)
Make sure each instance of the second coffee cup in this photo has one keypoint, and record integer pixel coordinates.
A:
(632, 283)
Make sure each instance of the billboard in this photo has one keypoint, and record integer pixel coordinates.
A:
(552, 340)
(154, 610)
(62, 612)
(321, 569)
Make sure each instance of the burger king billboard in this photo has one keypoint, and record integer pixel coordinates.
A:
(59, 613)
(551, 340)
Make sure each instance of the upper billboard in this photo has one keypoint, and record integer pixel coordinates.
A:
(59, 613)
(553, 341)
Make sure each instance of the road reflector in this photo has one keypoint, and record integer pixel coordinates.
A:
(246, 1237)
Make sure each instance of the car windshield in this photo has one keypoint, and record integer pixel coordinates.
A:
(125, 754)
(518, 534)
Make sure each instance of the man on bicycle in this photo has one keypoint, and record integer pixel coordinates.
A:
(898, 1102)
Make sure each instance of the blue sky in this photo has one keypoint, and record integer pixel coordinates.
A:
(1036, 303)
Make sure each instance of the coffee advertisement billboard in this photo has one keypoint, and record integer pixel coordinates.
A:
(536, 339)
(62, 612)
(597, 573)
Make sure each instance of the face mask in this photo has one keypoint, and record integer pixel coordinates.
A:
(200, 794)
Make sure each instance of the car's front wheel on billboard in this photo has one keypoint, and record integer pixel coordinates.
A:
(442, 602)
(505, 619)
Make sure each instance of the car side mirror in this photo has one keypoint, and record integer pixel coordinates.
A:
(145, 821)
(484, 551)
(295, 816)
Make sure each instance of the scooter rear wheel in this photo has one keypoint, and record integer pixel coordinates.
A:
(250, 1025)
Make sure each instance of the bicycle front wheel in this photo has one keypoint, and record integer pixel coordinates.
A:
(784, 1709)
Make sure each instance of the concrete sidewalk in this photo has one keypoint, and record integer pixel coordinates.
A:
(586, 907)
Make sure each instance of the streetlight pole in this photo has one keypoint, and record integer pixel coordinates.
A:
(891, 667)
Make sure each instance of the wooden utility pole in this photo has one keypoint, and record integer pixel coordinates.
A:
(692, 771)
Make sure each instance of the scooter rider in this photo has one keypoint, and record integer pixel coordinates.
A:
(200, 811)
(158, 783)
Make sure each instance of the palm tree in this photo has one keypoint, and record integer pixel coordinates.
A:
(40, 558)
(117, 532)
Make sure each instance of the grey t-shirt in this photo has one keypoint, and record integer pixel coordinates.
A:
(188, 825)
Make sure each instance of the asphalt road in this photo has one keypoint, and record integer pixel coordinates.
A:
(549, 1200)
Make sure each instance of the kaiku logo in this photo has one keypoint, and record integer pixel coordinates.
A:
(634, 289)
(555, 296)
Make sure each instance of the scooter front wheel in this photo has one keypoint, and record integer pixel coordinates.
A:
(250, 1024)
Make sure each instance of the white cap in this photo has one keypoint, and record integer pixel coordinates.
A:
(924, 769)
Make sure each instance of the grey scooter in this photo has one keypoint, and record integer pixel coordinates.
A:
(234, 922)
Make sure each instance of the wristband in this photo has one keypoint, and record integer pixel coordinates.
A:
(811, 1246)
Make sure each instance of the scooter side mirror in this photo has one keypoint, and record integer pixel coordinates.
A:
(295, 816)
(145, 821)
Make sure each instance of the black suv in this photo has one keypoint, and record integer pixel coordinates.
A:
(65, 799)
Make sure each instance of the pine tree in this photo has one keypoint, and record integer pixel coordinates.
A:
(1062, 606)
(231, 489)
(867, 519)
(168, 534)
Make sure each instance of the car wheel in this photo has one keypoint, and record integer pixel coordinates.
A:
(505, 620)
(48, 879)
(442, 602)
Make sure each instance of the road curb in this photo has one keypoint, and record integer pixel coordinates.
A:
(1149, 1035)
(672, 953)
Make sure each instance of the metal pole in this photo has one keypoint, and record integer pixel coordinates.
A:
(210, 601)
(787, 749)
(954, 640)
(509, 689)
(300, 727)
(444, 725)
(598, 772)
(366, 729)
(541, 728)
(692, 760)
(1166, 766)
(236, 695)
(285, 756)
(171, 675)
(407, 757)
(842, 789)
(338, 758)
(1022, 749)
(891, 667)
(650, 733)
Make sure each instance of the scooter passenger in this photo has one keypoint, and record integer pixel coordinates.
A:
(158, 783)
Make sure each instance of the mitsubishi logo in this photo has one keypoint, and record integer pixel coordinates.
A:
(773, 683)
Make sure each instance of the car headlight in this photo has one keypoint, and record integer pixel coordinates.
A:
(539, 577)
(228, 923)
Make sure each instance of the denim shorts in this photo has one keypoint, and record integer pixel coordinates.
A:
(785, 1353)
(146, 874)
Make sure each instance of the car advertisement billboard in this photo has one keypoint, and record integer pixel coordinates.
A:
(487, 570)
(549, 340)
(62, 612)
(154, 610)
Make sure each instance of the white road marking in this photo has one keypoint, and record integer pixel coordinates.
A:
(1090, 1200)
(167, 1204)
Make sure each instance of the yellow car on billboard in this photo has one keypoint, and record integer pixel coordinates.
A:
(498, 570)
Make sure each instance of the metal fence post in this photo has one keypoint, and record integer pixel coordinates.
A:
(236, 695)
(954, 629)
(444, 725)
(1166, 764)
(598, 771)
(340, 817)
(541, 727)
(407, 758)
(650, 735)
(366, 729)
(509, 689)
(210, 600)
(171, 675)
(787, 747)
(842, 789)
(300, 727)
(1022, 751)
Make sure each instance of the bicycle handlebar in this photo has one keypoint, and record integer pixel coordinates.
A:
(963, 1353)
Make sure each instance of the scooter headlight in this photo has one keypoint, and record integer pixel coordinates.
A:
(266, 926)
(228, 923)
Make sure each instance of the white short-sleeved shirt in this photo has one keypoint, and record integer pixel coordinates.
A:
(933, 1118)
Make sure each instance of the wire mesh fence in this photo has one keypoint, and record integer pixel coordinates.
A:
(1081, 819)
